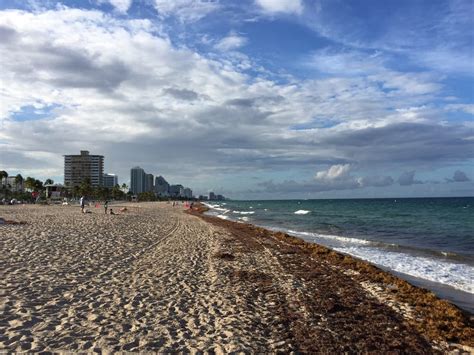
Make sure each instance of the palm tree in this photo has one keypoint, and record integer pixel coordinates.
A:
(38, 185)
(102, 193)
(49, 182)
(3, 174)
(3, 181)
(86, 187)
(76, 191)
(30, 183)
(18, 181)
(116, 192)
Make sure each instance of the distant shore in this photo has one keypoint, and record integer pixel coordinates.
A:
(153, 278)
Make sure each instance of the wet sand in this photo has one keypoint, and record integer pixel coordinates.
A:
(158, 279)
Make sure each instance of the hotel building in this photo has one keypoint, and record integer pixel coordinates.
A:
(161, 186)
(137, 180)
(110, 180)
(149, 182)
(79, 167)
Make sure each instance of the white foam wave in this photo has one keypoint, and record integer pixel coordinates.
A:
(459, 276)
(243, 212)
(217, 208)
(302, 212)
(221, 216)
(223, 210)
(245, 219)
(210, 205)
(314, 237)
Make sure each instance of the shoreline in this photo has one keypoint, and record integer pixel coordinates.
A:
(431, 315)
(157, 279)
(459, 297)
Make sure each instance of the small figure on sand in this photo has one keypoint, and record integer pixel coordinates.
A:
(82, 202)
(111, 211)
(106, 205)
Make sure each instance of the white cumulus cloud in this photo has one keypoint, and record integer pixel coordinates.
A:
(231, 42)
(186, 10)
(121, 5)
(282, 6)
(333, 173)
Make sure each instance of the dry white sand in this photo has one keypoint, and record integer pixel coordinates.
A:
(144, 280)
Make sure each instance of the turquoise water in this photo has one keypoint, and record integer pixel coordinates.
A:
(429, 239)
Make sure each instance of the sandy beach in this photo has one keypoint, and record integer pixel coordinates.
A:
(156, 278)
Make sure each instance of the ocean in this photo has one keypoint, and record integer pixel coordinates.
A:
(427, 241)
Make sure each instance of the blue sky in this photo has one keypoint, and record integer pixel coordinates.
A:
(252, 99)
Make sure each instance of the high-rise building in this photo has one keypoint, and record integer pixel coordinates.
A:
(188, 193)
(77, 168)
(212, 196)
(161, 186)
(175, 190)
(110, 180)
(11, 184)
(137, 180)
(149, 182)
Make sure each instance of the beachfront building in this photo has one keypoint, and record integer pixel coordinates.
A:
(54, 191)
(149, 182)
(161, 186)
(175, 190)
(12, 185)
(214, 197)
(110, 180)
(77, 168)
(188, 193)
(137, 180)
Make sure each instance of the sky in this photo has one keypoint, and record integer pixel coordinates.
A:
(253, 99)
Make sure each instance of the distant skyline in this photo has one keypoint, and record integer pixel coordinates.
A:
(252, 99)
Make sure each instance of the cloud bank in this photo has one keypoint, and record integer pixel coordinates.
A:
(122, 87)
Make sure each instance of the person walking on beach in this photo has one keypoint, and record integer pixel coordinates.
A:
(106, 205)
(82, 203)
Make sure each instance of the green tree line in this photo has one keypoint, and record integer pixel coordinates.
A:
(86, 189)
(30, 185)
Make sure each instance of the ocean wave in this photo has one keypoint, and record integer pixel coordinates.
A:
(456, 275)
(315, 236)
(210, 205)
(243, 212)
(221, 216)
(222, 210)
(447, 272)
(217, 208)
(302, 212)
